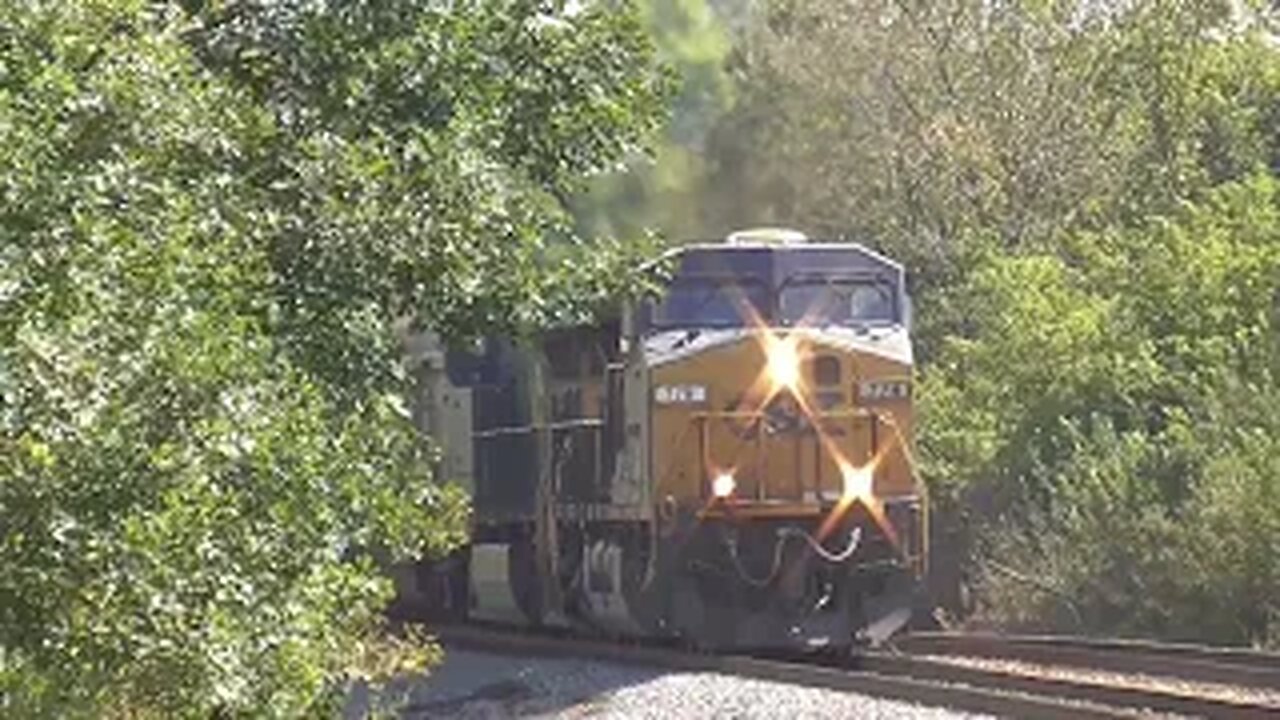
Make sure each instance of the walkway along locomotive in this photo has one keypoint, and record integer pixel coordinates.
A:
(728, 463)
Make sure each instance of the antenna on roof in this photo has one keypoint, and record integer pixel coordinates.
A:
(767, 236)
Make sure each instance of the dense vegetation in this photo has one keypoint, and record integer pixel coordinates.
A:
(1085, 196)
(215, 217)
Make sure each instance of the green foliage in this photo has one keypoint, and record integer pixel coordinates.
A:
(1115, 417)
(935, 123)
(213, 216)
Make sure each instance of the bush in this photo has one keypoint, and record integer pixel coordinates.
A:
(1111, 420)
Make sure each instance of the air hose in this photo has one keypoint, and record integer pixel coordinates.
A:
(855, 537)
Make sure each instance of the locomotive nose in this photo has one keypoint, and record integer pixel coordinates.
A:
(774, 414)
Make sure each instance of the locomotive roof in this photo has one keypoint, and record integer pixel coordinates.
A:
(768, 261)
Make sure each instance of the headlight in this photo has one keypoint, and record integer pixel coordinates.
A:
(680, 394)
(858, 481)
(783, 364)
(723, 485)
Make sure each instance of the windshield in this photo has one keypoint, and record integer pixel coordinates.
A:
(824, 301)
(701, 302)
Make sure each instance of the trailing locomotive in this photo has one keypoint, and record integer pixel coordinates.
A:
(728, 463)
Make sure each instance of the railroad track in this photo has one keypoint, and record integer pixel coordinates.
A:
(924, 669)
(1190, 662)
(1189, 680)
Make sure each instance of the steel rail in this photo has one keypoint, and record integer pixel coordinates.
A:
(1228, 666)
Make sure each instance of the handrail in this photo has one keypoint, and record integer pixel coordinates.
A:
(558, 425)
(860, 412)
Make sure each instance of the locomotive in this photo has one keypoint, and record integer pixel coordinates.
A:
(727, 463)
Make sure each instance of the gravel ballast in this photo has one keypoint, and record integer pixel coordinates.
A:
(474, 684)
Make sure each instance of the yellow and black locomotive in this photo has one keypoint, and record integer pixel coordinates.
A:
(728, 463)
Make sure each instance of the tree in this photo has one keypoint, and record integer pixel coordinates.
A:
(214, 214)
(939, 124)
(663, 193)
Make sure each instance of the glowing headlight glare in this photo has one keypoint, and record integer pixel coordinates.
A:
(857, 481)
(723, 485)
(784, 364)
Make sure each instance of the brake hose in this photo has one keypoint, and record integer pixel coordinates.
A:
(855, 537)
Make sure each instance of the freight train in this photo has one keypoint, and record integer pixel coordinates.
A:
(727, 463)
